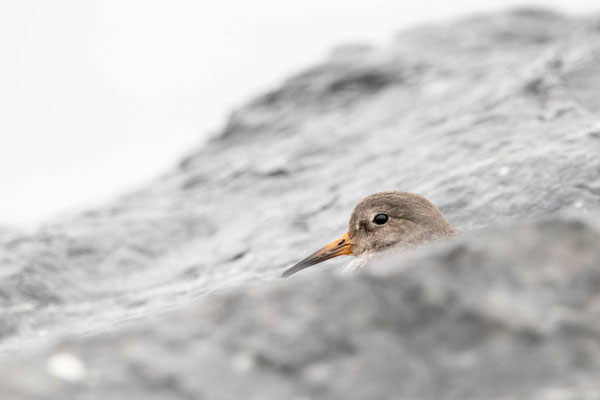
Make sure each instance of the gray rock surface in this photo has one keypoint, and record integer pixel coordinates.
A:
(512, 311)
(173, 291)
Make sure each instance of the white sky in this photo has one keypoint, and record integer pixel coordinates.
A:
(96, 96)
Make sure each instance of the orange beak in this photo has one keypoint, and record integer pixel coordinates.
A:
(340, 246)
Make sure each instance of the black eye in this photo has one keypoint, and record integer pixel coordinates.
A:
(381, 219)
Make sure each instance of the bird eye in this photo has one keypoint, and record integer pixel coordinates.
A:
(380, 219)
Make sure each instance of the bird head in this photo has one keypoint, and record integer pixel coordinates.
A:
(380, 221)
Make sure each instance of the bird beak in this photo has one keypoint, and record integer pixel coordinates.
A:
(340, 246)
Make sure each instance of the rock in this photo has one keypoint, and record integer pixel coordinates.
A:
(509, 312)
(493, 118)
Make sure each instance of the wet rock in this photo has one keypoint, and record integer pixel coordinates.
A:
(505, 312)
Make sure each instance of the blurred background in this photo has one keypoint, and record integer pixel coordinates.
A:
(97, 97)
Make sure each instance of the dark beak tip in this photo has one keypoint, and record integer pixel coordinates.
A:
(292, 270)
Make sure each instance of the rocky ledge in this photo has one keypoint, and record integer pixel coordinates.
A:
(172, 292)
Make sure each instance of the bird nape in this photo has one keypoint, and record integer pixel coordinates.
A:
(379, 222)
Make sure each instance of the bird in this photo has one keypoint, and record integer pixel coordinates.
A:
(380, 222)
